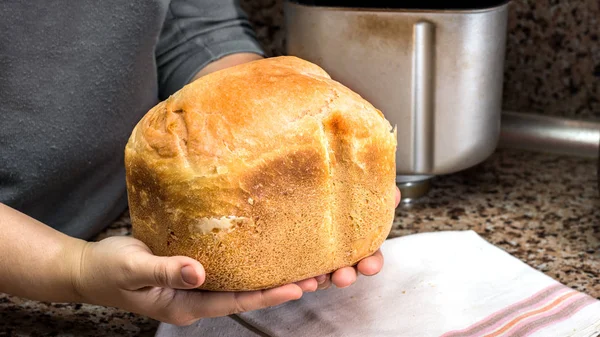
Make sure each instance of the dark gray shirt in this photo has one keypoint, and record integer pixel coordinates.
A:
(75, 78)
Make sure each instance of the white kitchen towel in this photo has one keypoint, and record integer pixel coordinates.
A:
(443, 284)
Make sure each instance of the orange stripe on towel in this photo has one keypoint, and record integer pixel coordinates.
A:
(516, 320)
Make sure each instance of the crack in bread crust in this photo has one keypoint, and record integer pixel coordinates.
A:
(330, 211)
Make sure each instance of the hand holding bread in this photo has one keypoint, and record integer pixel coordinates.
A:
(122, 272)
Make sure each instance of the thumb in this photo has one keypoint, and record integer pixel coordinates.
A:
(176, 272)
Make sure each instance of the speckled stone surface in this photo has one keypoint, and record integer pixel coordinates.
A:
(553, 58)
(552, 53)
(543, 209)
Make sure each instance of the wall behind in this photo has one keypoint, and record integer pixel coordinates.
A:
(552, 54)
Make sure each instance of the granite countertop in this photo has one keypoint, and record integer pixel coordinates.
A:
(543, 209)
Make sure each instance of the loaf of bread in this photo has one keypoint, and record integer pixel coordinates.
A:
(267, 173)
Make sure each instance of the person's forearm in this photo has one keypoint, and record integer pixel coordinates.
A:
(226, 62)
(36, 261)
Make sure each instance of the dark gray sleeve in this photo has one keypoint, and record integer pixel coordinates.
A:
(197, 32)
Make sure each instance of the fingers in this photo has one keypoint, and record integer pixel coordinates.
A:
(398, 195)
(324, 281)
(308, 285)
(371, 265)
(344, 277)
(229, 303)
(176, 272)
(188, 306)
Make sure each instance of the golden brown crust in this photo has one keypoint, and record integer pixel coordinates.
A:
(267, 173)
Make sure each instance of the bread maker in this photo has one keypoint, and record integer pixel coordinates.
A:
(435, 70)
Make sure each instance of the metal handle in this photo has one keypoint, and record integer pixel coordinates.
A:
(423, 96)
(550, 134)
